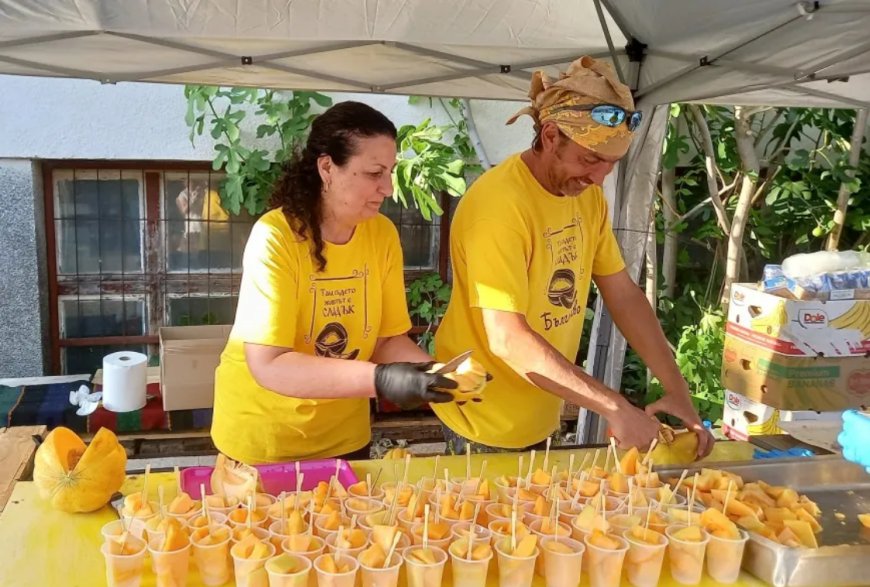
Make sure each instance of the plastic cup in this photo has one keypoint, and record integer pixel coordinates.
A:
(622, 522)
(260, 533)
(405, 521)
(501, 529)
(213, 561)
(467, 573)
(686, 558)
(724, 557)
(217, 519)
(251, 572)
(381, 576)
(259, 519)
(604, 565)
(361, 507)
(319, 530)
(564, 531)
(417, 537)
(562, 569)
(278, 578)
(514, 571)
(327, 579)
(316, 548)
(530, 518)
(276, 536)
(332, 549)
(117, 527)
(136, 524)
(124, 570)
(643, 562)
(461, 530)
(421, 574)
(567, 515)
(493, 514)
(170, 567)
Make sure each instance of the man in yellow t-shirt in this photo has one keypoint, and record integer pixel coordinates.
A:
(526, 242)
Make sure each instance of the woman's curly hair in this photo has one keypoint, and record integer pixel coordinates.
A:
(299, 191)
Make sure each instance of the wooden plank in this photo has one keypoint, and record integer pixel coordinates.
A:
(17, 450)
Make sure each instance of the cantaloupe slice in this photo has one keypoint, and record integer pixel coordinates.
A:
(778, 515)
(558, 547)
(284, 564)
(299, 542)
(373, 556)
(181, 504)
(645, 535)
(802, 514)
(540, 477)
(526, 546)
(717, 523)
(803, 531)
(689, 534)
(864, 519)
(383, 535)
(175, 537)
(540, 508)
(602, 540)
(618, 483)
(628, 462)
(423, 556)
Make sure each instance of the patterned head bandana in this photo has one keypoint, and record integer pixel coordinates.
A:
(587, 82)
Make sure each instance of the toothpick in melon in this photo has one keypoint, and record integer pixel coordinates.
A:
(474, 517)
(607, 460)
(570, 468)
(300, 479)
(648, 514)
(310, 518)
(519, 470)
(480, 477)
(283, 498)
(405, 473)
(435, 470)
(513, 529)
(595, 459)
(470, 545)
(547, 453)
(676, 489)
(602, 495)
(531, 468)
(250, 511)
(630, 488)
(583, 464)
(145, 483)
(468, 460)
(369, 484)
(616, 464)
(426, 526)
(583, 477)
(204, 503)
(692, 499)
(727, 496)
(649, 452)
(396, 537)
(160, 501)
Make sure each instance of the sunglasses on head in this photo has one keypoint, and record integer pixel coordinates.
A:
(607, 114)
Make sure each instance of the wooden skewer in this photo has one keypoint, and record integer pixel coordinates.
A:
(547, 453)
(583, 464)
(396, 537)
(570, 466)
(250, 512)
(630, 487)
(426, 526)
(595, 459)
(606, 461)
(480, 477)
(205, 512)
(519, 470)
(601, 497)
(435, 471)
(676, 488)
(531, 468)
(474, 516)
(692, 500)
(649, 452)
(405, 473)
(513, 530)
(283, 498)
(177, 472)
(468, 460)
(648, 514)
(369, 484)
(470, 546)
(617, 465)
(124, 533)
(583, 476)
(145, 484)
(727, 497)
(299, 481)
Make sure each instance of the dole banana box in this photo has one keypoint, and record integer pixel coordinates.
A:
(799, 328)
(743, 417)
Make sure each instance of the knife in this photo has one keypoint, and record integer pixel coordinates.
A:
(453, 364)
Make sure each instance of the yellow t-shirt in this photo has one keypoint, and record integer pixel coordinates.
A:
(518, 248)
(285, 302)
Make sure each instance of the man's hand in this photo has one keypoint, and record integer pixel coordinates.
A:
(410, 385)
(632, 427)
(680, 406)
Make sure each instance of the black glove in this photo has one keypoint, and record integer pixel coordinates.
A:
(409, 386)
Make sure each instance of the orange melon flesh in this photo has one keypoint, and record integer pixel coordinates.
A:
(383, 536)
(181, 504)
(332, 522)
(540, 477)
(242, 532)
(373, 556)
(175, 538)
(437, 531)
(251, 548)
(719, 525)
(558, 547)
(299, 542)
(240, 516)
(526, 546)
(423, 556)
(803, 531)
(284, 564)
(524, 494)
(125, 545)
(479, 551)
(158, 524)
(602, 540)
(645, 535)
(628, 462)
(328, 565)
(203, 537)
(689, 534)
(864, 519)
(351, 538)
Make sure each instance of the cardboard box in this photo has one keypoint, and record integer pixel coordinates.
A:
(808, 328)
(743, 417)
(791, 382)
(188, 357)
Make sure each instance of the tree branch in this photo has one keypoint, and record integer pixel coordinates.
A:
(711, 167)
(845, 192)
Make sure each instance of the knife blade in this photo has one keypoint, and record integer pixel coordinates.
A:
(453, 364)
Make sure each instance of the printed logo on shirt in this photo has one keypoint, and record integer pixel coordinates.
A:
(339, 306)
(332, 343)
(564, 245)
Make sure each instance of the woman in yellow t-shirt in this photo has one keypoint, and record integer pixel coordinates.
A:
(321, 325)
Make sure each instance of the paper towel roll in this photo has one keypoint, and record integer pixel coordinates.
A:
(124, 381)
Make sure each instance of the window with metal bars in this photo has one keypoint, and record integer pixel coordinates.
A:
(137, 246)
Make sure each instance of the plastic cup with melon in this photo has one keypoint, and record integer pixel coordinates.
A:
(249, 561)
(726, 546)
(502, 529)
(288, 570)
(480, 533)
(439, 533)
(375, 571)
(361, 489)
(239, 533)
(605, 555)
(325, 526)
(347, 540)
(308, 546)
(546, 527)
(588, 519)
(239, 517)
(424, 566)
(469, 565)
(200, 521)
(687, 546)
(137, 512)
(621, 522)
(336, 570)
(401, 493)
(291, 502)
(220, 503)
(563, 561)
(516, 566)
(183, 507)
(170, 556)
(362, 506)
(125, 560)
(211, 553)
(502, 511)
(646, 554)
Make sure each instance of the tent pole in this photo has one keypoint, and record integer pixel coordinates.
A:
(56, 69)
(606, 30)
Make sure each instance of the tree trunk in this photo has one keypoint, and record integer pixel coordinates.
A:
(855, 147)
(750, 166)
(669, 255)
(710, 164)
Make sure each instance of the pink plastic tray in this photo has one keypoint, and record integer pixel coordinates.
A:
(275, 478)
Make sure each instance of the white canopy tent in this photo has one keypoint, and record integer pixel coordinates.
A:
(754, 52)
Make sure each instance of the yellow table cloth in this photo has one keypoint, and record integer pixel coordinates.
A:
(42, 547)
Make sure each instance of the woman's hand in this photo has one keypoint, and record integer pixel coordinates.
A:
(409, 385)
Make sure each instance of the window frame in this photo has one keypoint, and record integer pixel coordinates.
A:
(156, 284)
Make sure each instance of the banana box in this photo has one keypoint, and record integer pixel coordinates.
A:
(800, 328)
(788, 382)
(743, 417)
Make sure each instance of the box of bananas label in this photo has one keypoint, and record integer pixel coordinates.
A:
(743, 417)
(801, 328)
(790, 382)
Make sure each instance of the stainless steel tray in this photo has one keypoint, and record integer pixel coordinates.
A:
(838, 487)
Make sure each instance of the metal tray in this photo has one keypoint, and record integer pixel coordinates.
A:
(838, 487)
